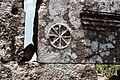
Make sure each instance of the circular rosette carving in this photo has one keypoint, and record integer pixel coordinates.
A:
(59, 36)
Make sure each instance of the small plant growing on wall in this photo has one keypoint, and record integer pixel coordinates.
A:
(107, 69)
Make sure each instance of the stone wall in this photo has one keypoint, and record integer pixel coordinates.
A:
(66, 14)
(62, 18)
(36, 71)
(11, 29)
(11, 45)
(76, 31)
(102, 30)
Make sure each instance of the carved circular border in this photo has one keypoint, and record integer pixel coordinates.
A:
(59, 35)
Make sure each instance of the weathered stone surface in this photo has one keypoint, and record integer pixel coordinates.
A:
(36, 71)
(86, 46)
(11, 29)
(112, 6)
(103, 46)
(63, 12)
(5, 73)
(11, 44)
(99, 44)
(102, 38)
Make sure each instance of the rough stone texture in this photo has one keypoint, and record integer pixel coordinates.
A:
(11, 45)
(36, 71)
(95, 45)
(103, 38)
(5, 73)
(11, 29)
(112, 6)
(66, 12)
(87, 46)
(103, 46)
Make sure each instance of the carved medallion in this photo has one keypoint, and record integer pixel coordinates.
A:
(59, 36)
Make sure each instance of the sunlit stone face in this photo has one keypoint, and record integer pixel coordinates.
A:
(59, 36)
(91, 35)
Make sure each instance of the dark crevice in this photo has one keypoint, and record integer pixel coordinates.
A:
(35, 29)
(27, 55)
(38, 3)
(23, 4)
(14, 10)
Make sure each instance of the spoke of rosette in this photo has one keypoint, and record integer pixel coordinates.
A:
(65, 41)
(66, 37)
(59, 30)
(55, 40)
(60, 42)
(55, 30)
(64, 32)
(53, 35)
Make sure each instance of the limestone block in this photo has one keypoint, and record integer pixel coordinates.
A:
(5, 73)
(112, 6)
(102, 30)
(36, 71)
(11, 29)
(60, 37)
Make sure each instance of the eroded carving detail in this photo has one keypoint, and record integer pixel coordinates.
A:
(59, 36)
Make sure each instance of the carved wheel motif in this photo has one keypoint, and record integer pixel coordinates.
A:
(59, 36)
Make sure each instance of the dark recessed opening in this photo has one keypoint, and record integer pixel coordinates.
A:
(14, 10)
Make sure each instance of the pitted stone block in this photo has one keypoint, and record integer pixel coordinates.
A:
(59, 36)
(11, 29)
(94, 31)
